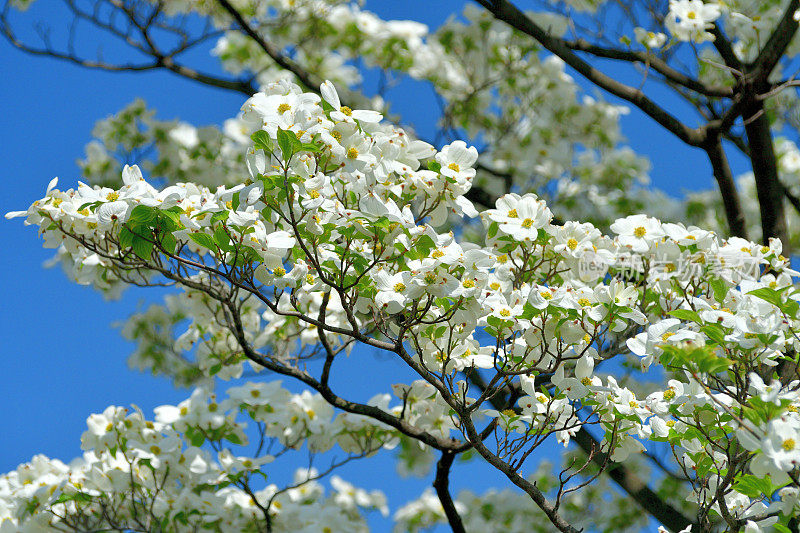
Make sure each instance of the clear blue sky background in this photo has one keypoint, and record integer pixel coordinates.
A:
(60, 360)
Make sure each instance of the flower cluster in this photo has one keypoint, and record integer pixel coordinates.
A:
(336, 238)
(136, 471)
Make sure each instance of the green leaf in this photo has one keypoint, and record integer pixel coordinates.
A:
(222, 239)
(720, 289)
(126, 237)
(203, 240)
(686, 314)
(142, 247)
(168, 242)
(434, 166)
(219, 216)
(235, 201)
(74, 497)
(234, 438)
(774, 296)
(769, 295)
(286, 142)
(754, 486)
(169, 221)
(714, 332)
(493, 229)
(93, 205)
(143, 215)
(311, 147)
(195, 437)
(262, 140)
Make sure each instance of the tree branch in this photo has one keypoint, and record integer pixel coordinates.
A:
(441, 483)
(271, 50)
(510, 14)
(628, 481)
(658, 64)
(727, 187)
(776, 45)
(765, 169)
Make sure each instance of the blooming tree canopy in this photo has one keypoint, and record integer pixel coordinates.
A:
(535, 288)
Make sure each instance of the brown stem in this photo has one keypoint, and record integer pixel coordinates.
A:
(765, 170)
(441, 484)
(727, 187)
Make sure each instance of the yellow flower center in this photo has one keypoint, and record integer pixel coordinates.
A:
(639, 232)
(468, 284)
(454, 167)
(430, 278)
(586, 382)
(505, 312)
(583, 302)
(691, 15)
(669, 394)
(502, 258)
(313, 193)
(280, 272)
(633, 404)
(336, 135)
(527, 223)
(155, 450)
(399, 287)
(670, 423)
(352, 153)
(572, 244)
(494, 286)
(283, 108)
(788, 445)
(309, 278)
(346, 110)
(437, 254)
(513, 214)
(667, 335)
(112, 196)
(509, 412)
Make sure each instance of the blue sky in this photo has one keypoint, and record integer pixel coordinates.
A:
(61, 360)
